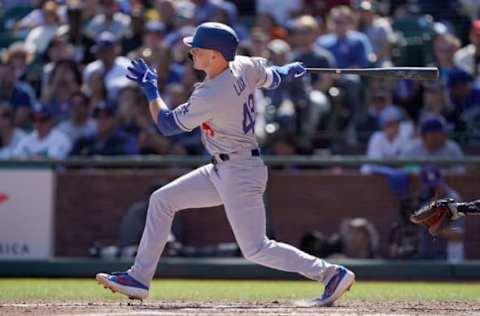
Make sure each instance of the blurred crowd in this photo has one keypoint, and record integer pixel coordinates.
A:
(63, 89)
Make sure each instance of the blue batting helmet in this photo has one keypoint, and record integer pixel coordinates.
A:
(215, 36)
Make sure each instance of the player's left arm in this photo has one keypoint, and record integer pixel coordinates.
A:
(273, 77)
(159, 111)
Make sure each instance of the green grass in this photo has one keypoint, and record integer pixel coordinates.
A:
(237, 291)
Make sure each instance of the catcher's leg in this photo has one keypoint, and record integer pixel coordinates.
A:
(241, 184)
(193, 190)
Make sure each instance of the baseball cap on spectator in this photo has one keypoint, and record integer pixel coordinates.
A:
(155, 27)
(430, 176)
(457, 76)
(105, 40)
(104, 109)
(390, 114)
(434, 124)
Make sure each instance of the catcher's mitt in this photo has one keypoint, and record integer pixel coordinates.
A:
(436, 215)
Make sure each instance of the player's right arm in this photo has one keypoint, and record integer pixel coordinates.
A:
(159, 111)
(183, 118)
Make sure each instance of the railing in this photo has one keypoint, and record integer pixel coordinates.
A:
(192, 161)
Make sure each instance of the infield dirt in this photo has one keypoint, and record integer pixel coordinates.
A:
(350, 307)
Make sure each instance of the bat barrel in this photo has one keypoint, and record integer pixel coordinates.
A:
(412, 73)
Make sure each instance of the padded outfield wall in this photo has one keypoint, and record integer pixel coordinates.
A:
(89, 204)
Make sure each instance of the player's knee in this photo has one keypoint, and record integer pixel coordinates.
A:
(162, 201)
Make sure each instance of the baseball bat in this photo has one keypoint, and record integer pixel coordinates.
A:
(411, 73)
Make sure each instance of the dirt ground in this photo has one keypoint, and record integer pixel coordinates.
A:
(245, 309)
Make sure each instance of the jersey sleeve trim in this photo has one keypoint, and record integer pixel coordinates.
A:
(272, 80)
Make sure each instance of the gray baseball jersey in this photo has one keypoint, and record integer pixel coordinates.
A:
(224, 107)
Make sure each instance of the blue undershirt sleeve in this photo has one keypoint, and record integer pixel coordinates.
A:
(167, 124)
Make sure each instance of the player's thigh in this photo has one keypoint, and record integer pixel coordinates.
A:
(241, 189)
(192, 190)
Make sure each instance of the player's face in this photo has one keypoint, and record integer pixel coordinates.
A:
(202, 58)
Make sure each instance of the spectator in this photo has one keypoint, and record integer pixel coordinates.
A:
(10, 136)
(36, 17)
(134, 118)
(167, 70)
(153, 34)
(133, 38)
(20, 56)
(379, 100)
(378, 30)
(205, 10)
(310, 97)
(444, 48)
(45, 141)
(395, 136)
(359, 239)
(435, 144)
(266, 23)
(39, 37)
(257, 45)
(95, 87)
(465, 97)
(436, 102)
(449, 245)
(15, 95)
(64, 80)
(227, 14)
(281, 10)
(58, 49)
(110, 139)
(466, 58)
(167, 14)
(110, 63)
(108, 19)
(351, 49)
(80, 124)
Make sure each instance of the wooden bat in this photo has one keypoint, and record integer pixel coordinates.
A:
(411, 73)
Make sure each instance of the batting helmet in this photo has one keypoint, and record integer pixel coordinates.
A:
(215, 36)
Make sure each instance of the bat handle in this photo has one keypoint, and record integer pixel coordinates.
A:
(469, 208)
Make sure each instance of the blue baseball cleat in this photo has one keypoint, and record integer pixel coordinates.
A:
(123, 283)
(341, 282)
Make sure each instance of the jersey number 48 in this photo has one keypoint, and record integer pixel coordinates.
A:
(249, 115)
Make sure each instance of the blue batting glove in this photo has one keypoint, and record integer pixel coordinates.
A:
(290, 72)
(145, 77)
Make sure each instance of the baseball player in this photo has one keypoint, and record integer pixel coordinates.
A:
(223, 106)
